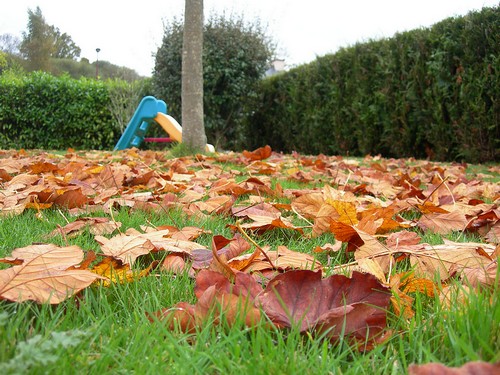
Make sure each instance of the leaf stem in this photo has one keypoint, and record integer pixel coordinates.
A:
(244, 234)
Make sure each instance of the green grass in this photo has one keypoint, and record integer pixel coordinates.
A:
(106, 330)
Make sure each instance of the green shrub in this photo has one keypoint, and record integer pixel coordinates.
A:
(235, 58)
(38, 110)
(42, 111)
(423, 93)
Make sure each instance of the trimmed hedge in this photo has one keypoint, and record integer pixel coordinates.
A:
(424, 93)
(38, 110)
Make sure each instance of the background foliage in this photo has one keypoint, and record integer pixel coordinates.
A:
(236, 55)
(424, 93)
(38, 110)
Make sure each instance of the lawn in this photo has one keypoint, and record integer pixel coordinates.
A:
(204, 264)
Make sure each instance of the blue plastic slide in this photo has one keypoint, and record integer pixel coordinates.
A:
(144, 115)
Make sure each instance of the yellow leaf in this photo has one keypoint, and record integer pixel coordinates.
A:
(346, 210)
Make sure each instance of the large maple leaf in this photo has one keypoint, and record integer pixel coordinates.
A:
(44, 273)
(337, 305)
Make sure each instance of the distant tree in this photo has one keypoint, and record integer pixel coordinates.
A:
(65, 48)
(42, 42)
(235, 57)
(38, 44)
(193, 134)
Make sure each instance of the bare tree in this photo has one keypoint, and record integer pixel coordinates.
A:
(9, 44)
(192, 77)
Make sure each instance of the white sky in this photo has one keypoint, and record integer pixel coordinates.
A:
(129, 32)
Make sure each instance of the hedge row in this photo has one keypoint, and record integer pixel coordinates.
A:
(38, 110)
(424, 93)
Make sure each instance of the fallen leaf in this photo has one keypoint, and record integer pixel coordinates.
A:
(217, 298)
(337, 305)
(442, 260)
(71, 197)
(114, 271)
(176, 264)
(263, 223)
(95, 225)
(44, 275)
(329, 248)
(482, 276)
(259, 154)
(125, 247)
(443, 223)
(128, 246)
(282, 259)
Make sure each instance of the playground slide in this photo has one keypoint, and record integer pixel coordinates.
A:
(134, 133)
(150, 110)
(170, 125)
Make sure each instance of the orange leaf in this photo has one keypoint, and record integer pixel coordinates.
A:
(258, 154)
(71, 198)
(346, 210)
(345, 233)
(282, 259)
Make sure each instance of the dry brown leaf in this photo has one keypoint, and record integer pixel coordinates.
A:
(259, 154)
(128, 246)
(482, 276)
(329, 248)
(324, 217)
(263, 223)
(443, 223)
(219, 204)
(125, 247)
(308, 205)
(402, 238)
(176, 264)
(373, 249)
(283, 259)
(443, 260)
(95, 225)
(44, 274)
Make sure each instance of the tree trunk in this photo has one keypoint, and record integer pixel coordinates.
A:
(193, 129)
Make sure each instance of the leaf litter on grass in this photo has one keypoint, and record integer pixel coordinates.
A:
(365, 204)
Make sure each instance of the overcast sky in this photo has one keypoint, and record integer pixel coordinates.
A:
(129, 32)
